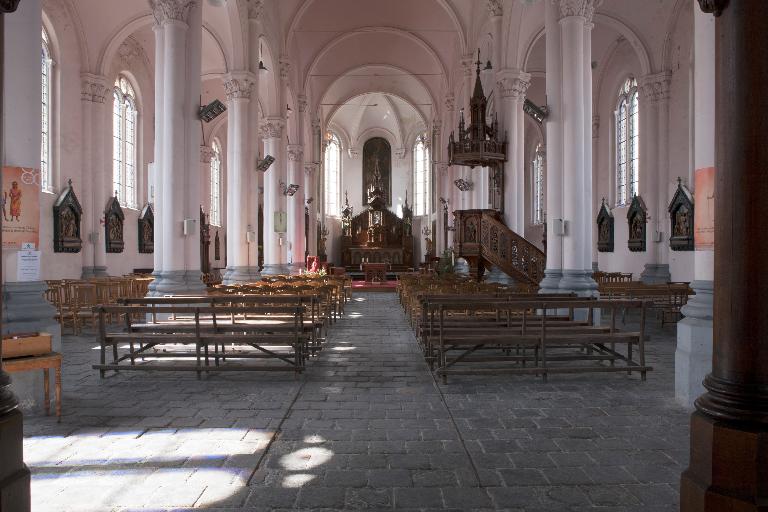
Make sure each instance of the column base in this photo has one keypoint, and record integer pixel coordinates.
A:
(693, 356)
(727, 470)
(14, 474)
(91, 272)
(551, 281)
(461, 267)
(495, 275)
(276, 269)
(177, 282)
(656, 273)
(26, 310)
(234, 275)
(579, 282)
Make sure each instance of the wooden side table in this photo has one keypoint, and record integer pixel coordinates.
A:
(42, 362)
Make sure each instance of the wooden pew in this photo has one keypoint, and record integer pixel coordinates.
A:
(537, 337)
(267, 332)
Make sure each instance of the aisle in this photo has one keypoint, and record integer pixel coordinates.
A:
(369, 428)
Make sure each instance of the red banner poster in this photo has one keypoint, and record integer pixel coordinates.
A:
(21, 207)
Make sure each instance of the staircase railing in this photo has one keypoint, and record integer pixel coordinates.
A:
(512, 253)
(482, 236)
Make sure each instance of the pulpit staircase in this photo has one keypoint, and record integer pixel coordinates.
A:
(482, 239)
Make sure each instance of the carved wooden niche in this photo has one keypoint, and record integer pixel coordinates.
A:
(147, 230)
(113, 226)
(681, 219)
(637, 216)
(67, 213)
(605, 229)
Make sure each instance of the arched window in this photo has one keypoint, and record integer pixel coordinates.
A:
(215, 211)
(46, 173)
(421, 176)
(124, 118)
(537, 168)
(332, 175)
(627, 143)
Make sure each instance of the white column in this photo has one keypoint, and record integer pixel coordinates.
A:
(310, 200)
(239, 87)
(295, 206)
(693, 357)
(24, 307)
(181, 23)
(157, 181)
(588, 210)
(96, 174)
(512, 86)
(274, 252)
(653, 165)
(554, 196)
(577, 146)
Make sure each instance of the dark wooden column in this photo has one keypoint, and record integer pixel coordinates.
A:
(728, 470)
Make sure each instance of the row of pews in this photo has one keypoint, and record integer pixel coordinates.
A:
(480, 328)
(274, 325)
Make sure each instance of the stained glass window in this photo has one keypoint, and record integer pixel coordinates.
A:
(332, 175)
(215, 211)
(421, 176)
(124, 120)
(627, 143)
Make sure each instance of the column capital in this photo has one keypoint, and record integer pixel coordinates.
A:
(655, 88)
(206, 153)
(309, 169)
(239, 85)
(401, 152)
(436, 127)
(94, 88)
(468, 64)
(165, 11)
(285, 68)
(254, 8)
(272, 128)
(442, 168)
(354, 152)
(713, 6)
(495, 8)
(316, 124)
(302, 103)
(513, 83)
(295, 152)
(581, 8)
(450, 102)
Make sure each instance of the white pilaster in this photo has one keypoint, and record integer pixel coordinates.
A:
(295, 206)
(512, 86)
(272, 136)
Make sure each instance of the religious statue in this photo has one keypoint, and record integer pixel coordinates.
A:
(682, 227)
(470, 233)
(636, 229)
(15, 195)
(68, 223)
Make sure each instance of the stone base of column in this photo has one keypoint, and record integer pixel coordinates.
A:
(742, 449)
(276, 269)
(595, 267)
(551, 281)
(14, 474)
(693, 356)
(90, 272)
(579, 282)
(495, 275)
(656, 273)
(461, 267)
(26, 310)
(234, 275)
(178, 282)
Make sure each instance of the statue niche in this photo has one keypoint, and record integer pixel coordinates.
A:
(637, 217)
(113, 226)
(377, 152)
(67, 213)
(147, 230)
(605, 229)
(681, 219)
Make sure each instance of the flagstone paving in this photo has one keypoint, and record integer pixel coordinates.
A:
(366, 428)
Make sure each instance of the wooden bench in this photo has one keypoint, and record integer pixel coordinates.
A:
(667, 298)
(252, 332)
(531, 330)
(44, 362)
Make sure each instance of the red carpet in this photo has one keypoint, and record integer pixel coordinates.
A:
(385, 286)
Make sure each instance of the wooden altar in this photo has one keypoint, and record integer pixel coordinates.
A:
(375, 272)
(377, 235)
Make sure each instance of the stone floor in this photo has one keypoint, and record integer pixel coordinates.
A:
(367, 428)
